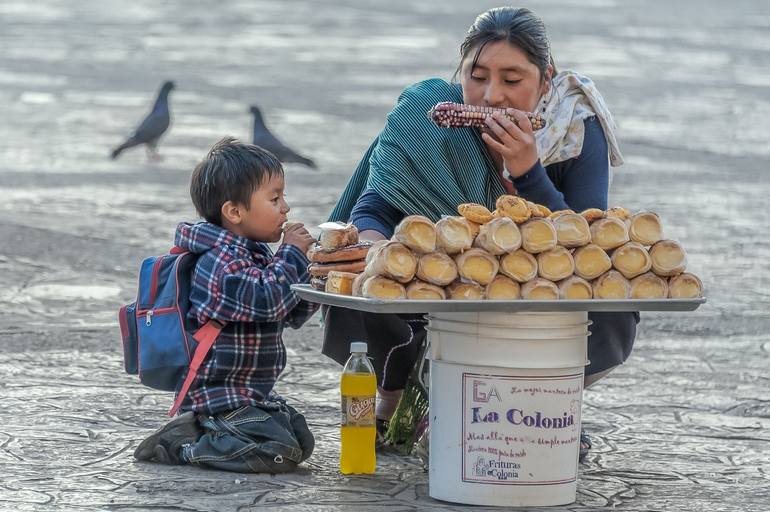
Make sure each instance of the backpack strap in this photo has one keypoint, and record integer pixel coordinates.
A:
(205, 336)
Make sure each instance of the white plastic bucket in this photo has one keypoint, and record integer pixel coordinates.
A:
(505, 400)
(536, 340)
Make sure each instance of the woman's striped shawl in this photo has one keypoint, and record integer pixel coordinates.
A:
(422, 169)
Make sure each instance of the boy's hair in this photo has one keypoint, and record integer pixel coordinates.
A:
(231, 171)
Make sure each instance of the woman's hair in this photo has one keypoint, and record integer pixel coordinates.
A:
(518, 26)
(231, 171)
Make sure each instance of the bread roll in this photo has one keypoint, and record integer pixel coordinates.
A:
(618, 212)
(609, 233)
(558, 213)
(592, 214)
(538, 210)
(337, 234)
(475, 228)
(668, 258)
(477, 265)
(519, 265)
(538, 235)
(475, 213)
(437, 268)
(685, 286)
(416, 232)
(575, 288)
(376, 246)
(645, 228)
(357, 287)
(498, 236)
(378, 287)
(649, 286)
(572, 230)
(591, 261)
(465, 291)
(340, 283)
(419, 290)
(354, 252)
(503, 288)
(539, 289)
(323, 269)
(513, 207)
(555, 264)
(393, 260)
(611, 285)
(453, 234)
(631, 259)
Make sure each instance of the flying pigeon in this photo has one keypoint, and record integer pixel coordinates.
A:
(266, 140)
(154, 125)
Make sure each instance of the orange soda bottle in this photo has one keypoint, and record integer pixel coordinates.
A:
(358, 388)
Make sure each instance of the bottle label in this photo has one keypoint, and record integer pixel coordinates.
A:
(357, 411)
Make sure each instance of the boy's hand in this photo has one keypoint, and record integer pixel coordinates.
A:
(294, 233)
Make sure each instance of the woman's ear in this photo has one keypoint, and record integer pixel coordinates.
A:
(231, 212)
(547, 76)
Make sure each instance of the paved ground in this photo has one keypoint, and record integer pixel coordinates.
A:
(683, 426)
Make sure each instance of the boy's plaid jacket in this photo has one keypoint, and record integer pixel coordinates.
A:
(240, 282)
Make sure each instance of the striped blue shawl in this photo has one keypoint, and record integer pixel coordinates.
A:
(422, 169)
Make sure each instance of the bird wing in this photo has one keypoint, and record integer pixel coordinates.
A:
(153, 126)
(268, 141)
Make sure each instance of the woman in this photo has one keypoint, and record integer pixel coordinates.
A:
(416, 168)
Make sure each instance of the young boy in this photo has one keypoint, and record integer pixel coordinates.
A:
(232, 420)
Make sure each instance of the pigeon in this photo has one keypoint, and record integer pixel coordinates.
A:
(154, 125)
(266, 140)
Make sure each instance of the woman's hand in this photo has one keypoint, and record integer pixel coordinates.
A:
(516, 144)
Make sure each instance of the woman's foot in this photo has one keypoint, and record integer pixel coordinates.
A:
(585, 445)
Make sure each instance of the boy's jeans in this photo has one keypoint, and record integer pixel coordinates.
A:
(271, 437)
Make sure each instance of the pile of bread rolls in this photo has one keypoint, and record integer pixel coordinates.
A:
(523, 250)
(337, 258)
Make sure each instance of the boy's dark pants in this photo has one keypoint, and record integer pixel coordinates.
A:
(271, 437)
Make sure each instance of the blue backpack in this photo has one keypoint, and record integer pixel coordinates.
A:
(159, 342)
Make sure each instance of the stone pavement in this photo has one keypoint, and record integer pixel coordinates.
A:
(684, 425)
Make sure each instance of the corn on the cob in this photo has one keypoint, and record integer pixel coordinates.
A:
(459, 115)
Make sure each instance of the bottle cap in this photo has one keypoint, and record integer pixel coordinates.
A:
(358, 346)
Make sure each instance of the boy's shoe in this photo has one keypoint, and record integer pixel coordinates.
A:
(165, 444)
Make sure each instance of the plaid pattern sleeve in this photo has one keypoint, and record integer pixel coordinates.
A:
(250, 293)
(304, 309)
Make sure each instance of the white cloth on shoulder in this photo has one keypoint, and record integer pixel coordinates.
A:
(570, 100)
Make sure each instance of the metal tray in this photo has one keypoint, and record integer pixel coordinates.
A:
(306, 292)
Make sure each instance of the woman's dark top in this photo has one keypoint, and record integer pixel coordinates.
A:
(576, 184)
